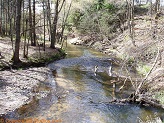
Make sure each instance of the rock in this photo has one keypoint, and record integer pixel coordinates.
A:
(98, 46)
(75, 41)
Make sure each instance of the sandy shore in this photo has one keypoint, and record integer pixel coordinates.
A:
(17, 87)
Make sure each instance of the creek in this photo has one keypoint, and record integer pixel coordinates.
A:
(78, 95)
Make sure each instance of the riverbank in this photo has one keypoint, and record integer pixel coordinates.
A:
(37, 57)
(19, 87)
(20, 84)
(145, 58)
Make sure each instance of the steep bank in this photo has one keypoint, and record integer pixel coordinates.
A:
(146, 58)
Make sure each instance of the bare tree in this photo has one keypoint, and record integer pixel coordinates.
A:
(30, 23)
(33, 25)
(130, 4)
(64, 23)
(55, 22)
(157, 6)
(18, 37)
(44, 21)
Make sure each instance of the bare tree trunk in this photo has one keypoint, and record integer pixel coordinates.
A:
(157, 6)
(18, 27)
(23, 19)
(55, 21)
(132, 26)
(53, 33)
(30, 23)
(6, 21)
(34, 34)
(11, 25)
(44, 25)
(64, 23)
(2, 4)
(49, 19)
(1, 18)
(25, 55)
(131, 19)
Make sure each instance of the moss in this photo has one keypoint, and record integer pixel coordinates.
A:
(35, 61)
(47, 58)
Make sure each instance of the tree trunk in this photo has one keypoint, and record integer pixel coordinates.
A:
(18, 27)
(23, 18)
(157, 6)
(132, 26)
(44, 24)
(11, 25)
(49, 19)
(30, 24)
(55, 21)
(53, 33)
(131, 20)
(33, 26)
(1, 18)
(64, 23)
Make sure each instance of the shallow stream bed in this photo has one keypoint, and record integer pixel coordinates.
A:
(79, 95)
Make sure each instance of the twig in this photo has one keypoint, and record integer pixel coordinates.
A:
(123, 84)
(130, 79)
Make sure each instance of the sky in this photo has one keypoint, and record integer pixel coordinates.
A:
(40, 9)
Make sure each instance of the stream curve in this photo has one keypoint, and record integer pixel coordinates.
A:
(77, 95)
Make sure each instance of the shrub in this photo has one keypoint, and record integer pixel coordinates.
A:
(100, 18)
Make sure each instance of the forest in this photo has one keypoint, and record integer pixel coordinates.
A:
(118, 45)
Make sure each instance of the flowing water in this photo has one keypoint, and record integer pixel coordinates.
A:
(79, 95)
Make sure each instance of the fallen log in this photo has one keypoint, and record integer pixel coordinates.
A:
(141, 100)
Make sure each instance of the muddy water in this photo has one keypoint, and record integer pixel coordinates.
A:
(78, 95)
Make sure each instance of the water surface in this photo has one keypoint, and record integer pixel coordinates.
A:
(78, 95)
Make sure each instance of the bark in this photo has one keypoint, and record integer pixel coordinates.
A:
(18, 27)
(11, 25)
(131, 20)
(55, 22)
(34, 34)
(44, 24)
(49, 18)
(132, 26)
(53, 33)
(23, 18)
(6, 21)
(1, 18)
(63, 25)
(30, 23)
(157, 6)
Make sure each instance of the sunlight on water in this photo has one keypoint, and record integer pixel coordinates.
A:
(77, 95)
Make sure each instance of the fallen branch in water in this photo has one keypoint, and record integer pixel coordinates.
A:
(140, 99)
